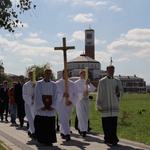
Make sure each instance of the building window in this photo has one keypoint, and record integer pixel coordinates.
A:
(78, 66)
(89, 36)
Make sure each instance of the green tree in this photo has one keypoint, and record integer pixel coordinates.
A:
(9, 13)
(39, 70)
(3, 77)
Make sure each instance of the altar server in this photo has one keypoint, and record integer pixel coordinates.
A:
(83, 104)
(28, 96)
(45, 105)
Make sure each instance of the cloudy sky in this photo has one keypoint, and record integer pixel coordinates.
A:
(122, 31)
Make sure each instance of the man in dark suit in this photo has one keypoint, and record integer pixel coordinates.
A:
(19, 100)
(4, 100)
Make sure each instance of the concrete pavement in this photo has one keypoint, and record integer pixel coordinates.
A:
(16, 138)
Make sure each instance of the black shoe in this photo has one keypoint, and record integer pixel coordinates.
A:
(48, 144)
(33, 136)
(6, 120)
(115, 142)
(62, 135)
(27, 125)
(83, 134)
(21, 124)
(76, 128)
(13, 124)
(67, 137)
(107, 142)
(79, 131)
(29, 133)
(89, 129)
(57, 128)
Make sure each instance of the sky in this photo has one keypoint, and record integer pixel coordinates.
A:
(122, 31)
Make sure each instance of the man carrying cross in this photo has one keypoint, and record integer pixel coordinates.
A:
(65, 111)
(67, 96)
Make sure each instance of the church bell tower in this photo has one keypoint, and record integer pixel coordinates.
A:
(90, 43)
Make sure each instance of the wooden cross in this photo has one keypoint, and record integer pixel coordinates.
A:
(64, 48)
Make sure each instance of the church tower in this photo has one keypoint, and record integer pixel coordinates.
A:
(90, 43)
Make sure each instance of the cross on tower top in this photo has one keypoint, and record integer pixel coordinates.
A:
(1, 62)
(111, 61)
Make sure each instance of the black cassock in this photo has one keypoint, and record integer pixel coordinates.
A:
(45, 129)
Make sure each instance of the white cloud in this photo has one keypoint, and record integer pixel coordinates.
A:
(58, 1)
(24, 49)
(97, 42)
(82, 18)
(90, 3)
(35, 40)
(130, 44)
(8, 64)
(18, 34)
(15, 1)
(94, 3)
(102, 56)
(26, 60)
(138, 34)
(60, 35)
(124, 59)
(32, 51)
(71, 40)
(6, 45)
(24, 25)
(82, 2)
(33, 35)
(74, 54)
(79, 35)
(115, 8)
(8, 35)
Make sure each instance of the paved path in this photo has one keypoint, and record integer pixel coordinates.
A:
(16, 138)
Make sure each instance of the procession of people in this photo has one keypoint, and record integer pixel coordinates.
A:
(41, 100)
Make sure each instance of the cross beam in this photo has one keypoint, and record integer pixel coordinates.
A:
(64, 48)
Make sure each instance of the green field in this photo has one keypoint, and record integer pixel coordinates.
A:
(134, 119)
(3, 146)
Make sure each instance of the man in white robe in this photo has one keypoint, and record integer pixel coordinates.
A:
(28, 96)
(45, 109)
(109, 94)
(83, 104)
(65, 111)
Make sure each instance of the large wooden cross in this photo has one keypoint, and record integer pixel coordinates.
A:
(64, 48)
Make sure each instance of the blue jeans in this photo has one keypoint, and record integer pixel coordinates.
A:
(13, 111)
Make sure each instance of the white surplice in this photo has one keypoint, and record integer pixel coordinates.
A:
(64, 111)
(106, 100)
(45, 88)
(28, 92)
(83, 104)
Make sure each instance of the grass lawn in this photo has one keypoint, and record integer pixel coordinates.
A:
(3, 147)
(134, 119)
